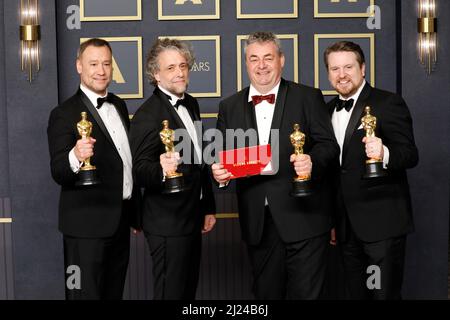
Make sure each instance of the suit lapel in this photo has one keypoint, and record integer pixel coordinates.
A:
(332, 106)
(194, 111)
(95, 115)
(355, 118)
(249, 113)
(195, 114)
(170, 109)
(279, 107)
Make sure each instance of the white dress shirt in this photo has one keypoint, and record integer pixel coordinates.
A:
(340, 122)
(264, 115)
(113, 123)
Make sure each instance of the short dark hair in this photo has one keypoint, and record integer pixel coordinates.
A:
(160, 45)
(346, 46)
(94, 42)
(261, 37)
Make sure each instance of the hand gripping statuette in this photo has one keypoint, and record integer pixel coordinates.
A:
(174, 181)
(301, 185)
(87, 175)
(374, 166)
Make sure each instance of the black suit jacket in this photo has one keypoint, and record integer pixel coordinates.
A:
(174, 214)
(93, 211)
(295, 218)
(378, 208)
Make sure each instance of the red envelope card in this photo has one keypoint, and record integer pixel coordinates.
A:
(246, 162)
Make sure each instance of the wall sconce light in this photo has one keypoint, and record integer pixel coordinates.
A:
(427, 28)
(30, 34)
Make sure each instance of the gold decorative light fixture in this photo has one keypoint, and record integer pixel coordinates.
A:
(427, 28)
(30, 34)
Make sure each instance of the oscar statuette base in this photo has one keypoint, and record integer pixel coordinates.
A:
(87, 178)
(174, 184)
(301, 188)
(374, 169)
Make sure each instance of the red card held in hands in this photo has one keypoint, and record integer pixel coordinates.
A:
(246, 162)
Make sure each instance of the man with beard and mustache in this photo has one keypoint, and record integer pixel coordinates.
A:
(372, 216)
(173, 223)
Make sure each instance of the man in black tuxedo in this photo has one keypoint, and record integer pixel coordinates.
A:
(374, 215)
(287, 237)
(95, 220)
(173, 223)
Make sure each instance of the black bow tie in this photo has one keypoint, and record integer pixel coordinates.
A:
(100, 101)
(180, 102)
(341, 104)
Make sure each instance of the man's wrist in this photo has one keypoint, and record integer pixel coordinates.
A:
(75, 164)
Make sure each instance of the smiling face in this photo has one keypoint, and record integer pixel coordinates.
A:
(264, 65)
(173, 73)
(95, 68)
(345, 73)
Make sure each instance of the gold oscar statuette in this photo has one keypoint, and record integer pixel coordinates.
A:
(301, 185)
(87, 175)
(374, 166)
(174, 181)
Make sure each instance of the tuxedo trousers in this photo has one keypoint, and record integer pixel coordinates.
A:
(96, 268)
(176, 265)
(287, 270)
(373, 270)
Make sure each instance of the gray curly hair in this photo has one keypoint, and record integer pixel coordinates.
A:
(160, 45)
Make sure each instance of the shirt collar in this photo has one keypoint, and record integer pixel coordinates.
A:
(254, 92)
(92, 96)
(173, 98)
